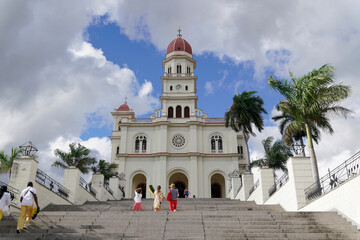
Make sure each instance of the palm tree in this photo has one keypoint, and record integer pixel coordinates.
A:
(275, 157)
(78, 156)
(291, 129)
(244, 113)
(6, 161)
(105, 168)
(314, 97)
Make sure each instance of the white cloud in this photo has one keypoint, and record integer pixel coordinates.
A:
(209, 87)
(146, 89)
(52, 82)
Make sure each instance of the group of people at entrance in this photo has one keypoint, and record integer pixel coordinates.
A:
(172, 197)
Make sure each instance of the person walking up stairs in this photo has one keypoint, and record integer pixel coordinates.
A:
(27, 199)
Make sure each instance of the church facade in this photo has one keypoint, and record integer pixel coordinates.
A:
(178, 143)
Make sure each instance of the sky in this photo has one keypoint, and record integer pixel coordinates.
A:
(65, 65)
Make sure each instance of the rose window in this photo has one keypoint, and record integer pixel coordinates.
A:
(178, 141)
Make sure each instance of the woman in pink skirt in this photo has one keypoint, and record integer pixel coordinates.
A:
(137, 199)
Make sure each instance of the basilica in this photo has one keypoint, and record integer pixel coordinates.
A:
(178, 143)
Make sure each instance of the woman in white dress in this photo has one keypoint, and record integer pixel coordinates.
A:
(5, 200)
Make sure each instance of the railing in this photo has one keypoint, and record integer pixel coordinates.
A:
(51, 184)
(279, 183)
(254, 187)
(122, 190)
(87, 187)
(13, 191)
(214, 120)
(178, 74)
(238, 190)
(142, 120)
(106, 186)
(334, 178)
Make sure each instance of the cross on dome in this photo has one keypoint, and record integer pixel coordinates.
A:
(126, 99)
(179, 30)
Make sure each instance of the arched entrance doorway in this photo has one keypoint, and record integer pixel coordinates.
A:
(217, 186)
(139, 181)
(181, 182)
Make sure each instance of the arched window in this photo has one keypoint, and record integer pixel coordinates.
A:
(170, 88)
(213, 145)
(220, 145)
(169, 69)
(186, 112)
(119, 128)
(178, 69)
(186, 88)
(188, 70)
(216, 143)
(240, 149)
(178, 112)
(144, 145)
(140, 141)
(117, 150)
(137, 144)
(170, 112)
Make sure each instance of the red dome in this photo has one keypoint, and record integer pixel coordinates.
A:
(179, 44)
(124, 107)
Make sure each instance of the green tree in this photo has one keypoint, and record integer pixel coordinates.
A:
(78, 156)
(275, 157)
(244, 114)
(6, 161)
(291, 129)
(105, 168)
(314, 97)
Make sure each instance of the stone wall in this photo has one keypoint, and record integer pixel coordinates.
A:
(344, 199)
(45, 196)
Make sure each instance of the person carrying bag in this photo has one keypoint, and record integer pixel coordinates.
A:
(27, 199)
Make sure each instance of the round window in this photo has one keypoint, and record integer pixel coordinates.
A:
(178, 141)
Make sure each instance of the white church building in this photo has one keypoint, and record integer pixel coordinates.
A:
(178, 143)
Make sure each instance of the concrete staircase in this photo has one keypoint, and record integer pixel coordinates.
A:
(194, 219)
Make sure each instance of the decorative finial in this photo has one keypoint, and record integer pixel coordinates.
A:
(179, 30)
(126, 100)
(28, 149)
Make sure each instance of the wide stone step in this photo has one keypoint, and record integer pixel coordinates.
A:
(195, 219)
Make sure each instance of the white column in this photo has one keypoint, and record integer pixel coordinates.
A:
(300, 172)
(193, 139)
(123, 140)
(23, 171)
(163, 138)
(247, 184)
(162, 177)
(114, 186)
(235, 184)
(202, 183)
(72, 183)
(193, 181)
(266, 181)
(97, 182)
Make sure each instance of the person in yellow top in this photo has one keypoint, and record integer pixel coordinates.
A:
(158, 197)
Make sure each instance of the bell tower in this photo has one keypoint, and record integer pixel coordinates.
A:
(179, 82)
